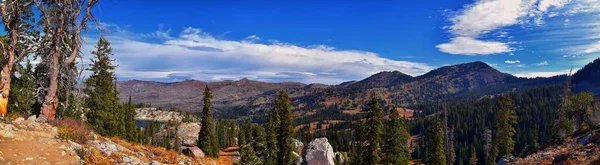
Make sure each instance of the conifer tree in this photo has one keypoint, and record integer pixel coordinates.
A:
(505, 119)
(104, 107)
(395, 148)
(374, 131)
(285, 130)
(271, 138)
(23, 89)
(358, 147)
(473, 159)
(435, 145)
(562, 127)
(206, 137)
(490, 156)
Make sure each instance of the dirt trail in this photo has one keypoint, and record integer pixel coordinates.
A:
(28, 142)
(228, 155)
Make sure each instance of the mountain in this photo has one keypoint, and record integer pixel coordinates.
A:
(251, 99)
(187, 95)
(588, 78)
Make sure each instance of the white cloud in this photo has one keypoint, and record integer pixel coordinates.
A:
(470, 46)
(198, 55)
(543, 63)
(477, 20)
(512, 62)
(252, 38)
(540, 74)
(592, 48)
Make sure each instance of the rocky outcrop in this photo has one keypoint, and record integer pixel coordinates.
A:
(153, 114)
(194, 152)
(577, 150)
(188, 132)
(319, 152)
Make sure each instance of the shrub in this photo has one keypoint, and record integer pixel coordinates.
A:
(14, 115)
(93, 156)
(65, 133)
(71, 129)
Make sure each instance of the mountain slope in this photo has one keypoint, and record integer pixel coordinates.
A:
(588, 78)
(246, 98)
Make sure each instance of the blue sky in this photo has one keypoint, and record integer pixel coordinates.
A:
(334, 42)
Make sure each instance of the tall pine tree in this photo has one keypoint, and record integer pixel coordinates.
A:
(206, 136)
(435, 145)
(505, 119)
(104, 107)
(375, 131)
(271, 149)
(395, 148)
(285, 130)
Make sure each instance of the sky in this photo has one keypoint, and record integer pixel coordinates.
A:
(332, 42)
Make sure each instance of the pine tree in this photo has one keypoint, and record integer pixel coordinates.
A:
(395, 148)
(206, 136)
(448, 139)
(104, 107)
(271, 138)
(374, 130)
(562, 127)
(505, 119)
(286, 130)
(435, 145)
(22, 91)
(358, 147)
(490, 156)
(473, 159)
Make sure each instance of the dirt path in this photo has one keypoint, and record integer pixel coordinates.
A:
(28, 142)
(228, 155)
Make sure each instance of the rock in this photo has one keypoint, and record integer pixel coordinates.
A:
(299, 146)
(63, 153)
(32, 118)
(17, 120)
(154, 162)
(319, 152)
(7, 133)
(194, 152)
(41, 119)
(299, 159)
(585, 139)
(188, 133)
(340, 157)
(107, 147)
(29, 159)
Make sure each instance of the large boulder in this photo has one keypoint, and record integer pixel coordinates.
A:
(319, 152)
(194, 152)
(188, 132)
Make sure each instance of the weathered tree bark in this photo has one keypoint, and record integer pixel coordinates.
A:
(12, 21)
(62, 32)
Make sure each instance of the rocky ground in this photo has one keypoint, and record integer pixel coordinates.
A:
(27, 141)
(583, 149)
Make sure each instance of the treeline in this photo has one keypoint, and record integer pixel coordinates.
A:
(514, 124)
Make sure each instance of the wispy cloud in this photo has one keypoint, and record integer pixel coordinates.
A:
(543, 63)
(477, 22)
(512, 61)
(198, 55)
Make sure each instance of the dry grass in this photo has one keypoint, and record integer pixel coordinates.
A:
(93, 156)
(78, 131)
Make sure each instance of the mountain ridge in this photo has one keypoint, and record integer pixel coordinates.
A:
(249, 98)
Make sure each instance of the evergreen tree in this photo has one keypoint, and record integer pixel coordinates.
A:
(435, 145)
(473, 159)
(104, 107)
(562, 127)
(271, 138)
(375, 131)
(448, 139)
(22, 90)
(505, 119)
(490, 157)
(206, 136)
(285, 130)
(395, 148)
(358, 147)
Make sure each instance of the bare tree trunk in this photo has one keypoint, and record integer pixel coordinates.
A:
(51, 99)
(6, 74)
